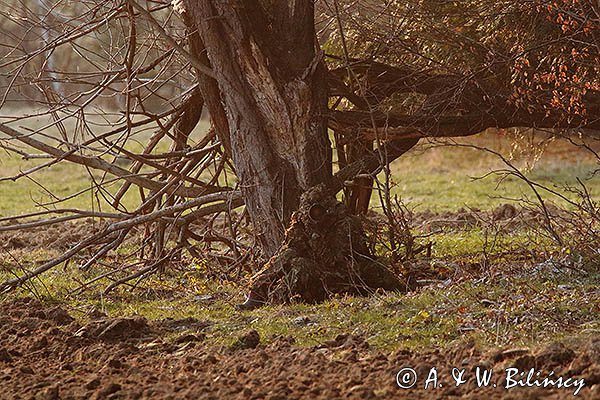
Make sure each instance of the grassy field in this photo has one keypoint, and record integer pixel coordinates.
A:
(64, 179)
(516, 303)
(434, 176)
(520, 293)
(447, 177)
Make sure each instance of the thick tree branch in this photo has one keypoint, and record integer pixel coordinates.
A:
(383, 80)
(392, 126)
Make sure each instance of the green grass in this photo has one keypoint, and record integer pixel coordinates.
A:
(436, 178)
(64, 179)
(478, 240)
(60, 180)
(523, 308)
(447, 178)
(496, 301)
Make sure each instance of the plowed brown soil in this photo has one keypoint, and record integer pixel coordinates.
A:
(46, 354)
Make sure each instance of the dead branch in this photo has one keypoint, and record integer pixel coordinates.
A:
(146, 270)
(98, 163)
(53, 221)
(227, 199)
(393, 126)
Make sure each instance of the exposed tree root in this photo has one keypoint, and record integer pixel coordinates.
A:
(324, 253)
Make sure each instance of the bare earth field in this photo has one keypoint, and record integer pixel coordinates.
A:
(46, 354)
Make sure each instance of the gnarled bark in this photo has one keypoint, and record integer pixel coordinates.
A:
(271, 84)
(324, 253)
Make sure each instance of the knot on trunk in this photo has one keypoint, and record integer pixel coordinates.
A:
(324, 252)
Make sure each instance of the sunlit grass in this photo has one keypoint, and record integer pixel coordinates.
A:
(447, 178)
(497, 307)
(520, 308)
(430, 177)
(60, 181)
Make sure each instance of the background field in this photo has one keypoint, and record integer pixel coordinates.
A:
(435, 176)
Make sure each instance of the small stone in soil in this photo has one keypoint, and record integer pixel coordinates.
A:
(248, 341)
(5, 355)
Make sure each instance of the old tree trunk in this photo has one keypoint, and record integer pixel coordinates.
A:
(272, 100)
(272, 88)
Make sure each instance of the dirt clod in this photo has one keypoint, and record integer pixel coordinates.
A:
(555, 354)
(5, 355)
(107, 390)
(26, 369)
(39, 344)
(114, 363)
(92, 384)
(60, 316)
(50, 393)
(249, 340)
(116, 329)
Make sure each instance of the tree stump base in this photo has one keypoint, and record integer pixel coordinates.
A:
(324, 253)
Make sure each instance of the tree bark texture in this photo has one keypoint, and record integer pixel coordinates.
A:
(324, 253)
(273, 91)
